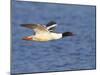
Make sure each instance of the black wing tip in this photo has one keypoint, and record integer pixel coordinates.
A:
(27, 25)
(51, 23)
(23, 24)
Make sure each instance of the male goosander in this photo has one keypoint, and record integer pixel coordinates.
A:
(45, 32)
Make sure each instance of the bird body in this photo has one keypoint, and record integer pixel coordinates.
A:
(43, 33)
(44, 37)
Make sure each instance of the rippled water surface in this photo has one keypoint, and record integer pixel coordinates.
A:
(69, 53)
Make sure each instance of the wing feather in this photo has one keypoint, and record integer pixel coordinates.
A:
(36, 27)
(51, 26)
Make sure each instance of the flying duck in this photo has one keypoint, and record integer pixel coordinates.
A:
(44, 32)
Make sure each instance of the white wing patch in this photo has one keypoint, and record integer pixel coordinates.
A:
(51, 28)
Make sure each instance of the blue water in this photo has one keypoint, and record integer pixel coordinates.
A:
(70, 53)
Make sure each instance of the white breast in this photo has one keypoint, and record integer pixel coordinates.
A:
(56, 35)
(47, 36)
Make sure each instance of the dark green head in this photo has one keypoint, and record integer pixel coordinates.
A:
(67, 34)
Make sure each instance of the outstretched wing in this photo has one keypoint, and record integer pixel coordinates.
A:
(36, 27)
(51, 26)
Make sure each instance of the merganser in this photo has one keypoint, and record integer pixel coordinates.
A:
(45, 32)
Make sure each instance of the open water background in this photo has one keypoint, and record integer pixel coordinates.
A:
(69, 53)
